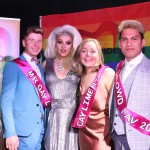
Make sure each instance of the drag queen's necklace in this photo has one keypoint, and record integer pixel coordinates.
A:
(59, 65)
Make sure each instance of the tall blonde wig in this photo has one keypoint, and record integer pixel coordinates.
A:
(50, 51)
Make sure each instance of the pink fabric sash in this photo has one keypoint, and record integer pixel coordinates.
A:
(35, 80)
(133, 119)
(86, 102)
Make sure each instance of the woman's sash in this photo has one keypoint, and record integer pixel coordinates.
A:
(133, 119)
(86, 102)
(35, 80)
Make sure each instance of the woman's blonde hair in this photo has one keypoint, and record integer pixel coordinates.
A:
(50, 51)
(77, 65)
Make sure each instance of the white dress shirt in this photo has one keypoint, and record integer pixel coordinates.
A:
(130, 65)
(32, 64)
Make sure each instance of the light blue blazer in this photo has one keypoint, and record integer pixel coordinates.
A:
(20, 103)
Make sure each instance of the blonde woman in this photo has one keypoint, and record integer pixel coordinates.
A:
(62, 84)
(92, 116)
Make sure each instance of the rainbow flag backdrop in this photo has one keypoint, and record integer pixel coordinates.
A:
(102, 24)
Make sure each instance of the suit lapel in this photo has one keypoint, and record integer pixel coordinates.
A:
(22, 57)
(137, 77)
(143, 66)
(41, 70)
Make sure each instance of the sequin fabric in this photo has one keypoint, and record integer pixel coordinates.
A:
(59, 133)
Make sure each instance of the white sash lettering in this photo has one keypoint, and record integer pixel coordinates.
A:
(86, 102)
(35, 80)
(133, 119)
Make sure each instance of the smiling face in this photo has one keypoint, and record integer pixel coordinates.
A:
(64, 46)
(131, 43)
(33, 44)
(89, 55)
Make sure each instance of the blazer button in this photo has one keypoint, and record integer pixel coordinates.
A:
(37, 104)
(114, 123)
(42, 116)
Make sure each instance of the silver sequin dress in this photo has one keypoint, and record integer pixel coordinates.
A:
(59, 134)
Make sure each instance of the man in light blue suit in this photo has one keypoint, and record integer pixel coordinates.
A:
(130, 105)
(22, 110)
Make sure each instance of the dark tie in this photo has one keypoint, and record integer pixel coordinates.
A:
(37, 70)
(34, 60)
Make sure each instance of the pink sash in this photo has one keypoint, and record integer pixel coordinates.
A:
(86, 102)
(133, 119)
(35, 80)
